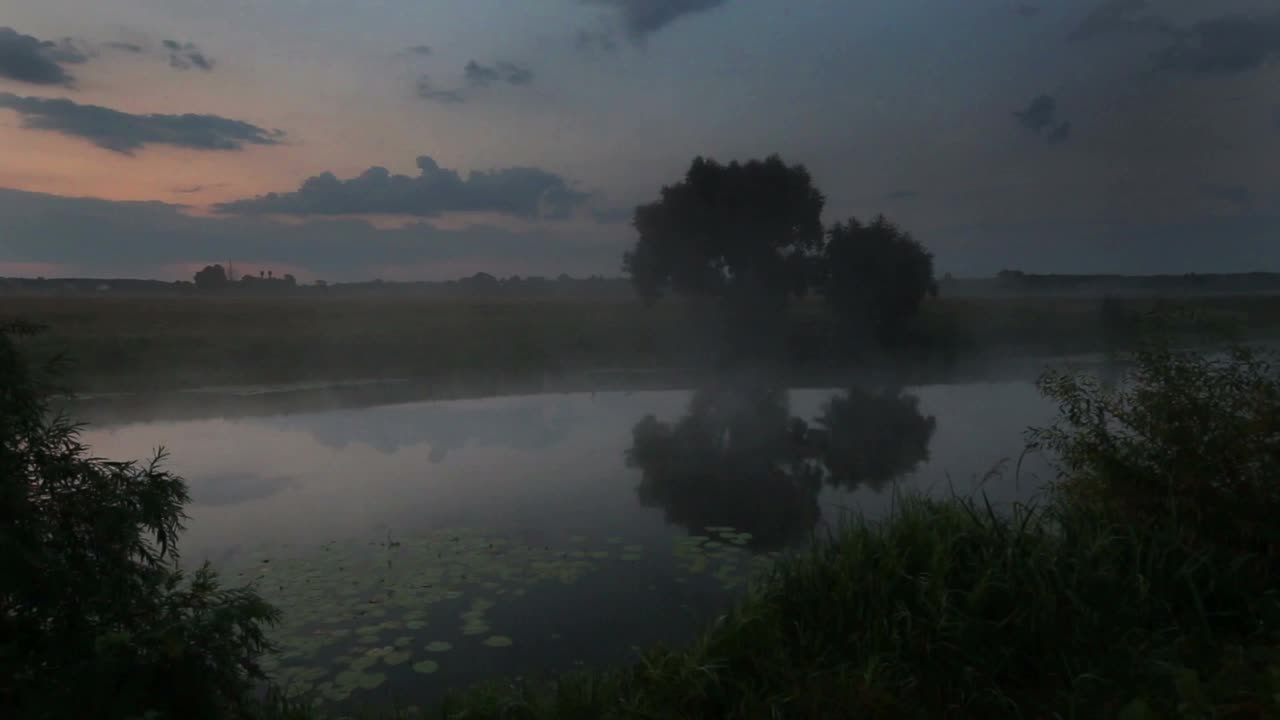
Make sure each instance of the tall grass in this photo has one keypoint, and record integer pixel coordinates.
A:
(148, 343)
(946, 609)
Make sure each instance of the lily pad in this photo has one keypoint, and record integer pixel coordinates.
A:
(396, 657)
(426, 667)
(498, 641)
(415, 625)
(370, 681)
(439, 646)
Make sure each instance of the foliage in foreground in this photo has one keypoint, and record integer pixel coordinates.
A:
(96, 618)
(950, 611)
(1191, 441)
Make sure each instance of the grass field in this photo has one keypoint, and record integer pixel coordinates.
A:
(161, 342)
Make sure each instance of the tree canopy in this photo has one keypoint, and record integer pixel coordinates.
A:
(749, 226)
(212, 277)
(877, 275)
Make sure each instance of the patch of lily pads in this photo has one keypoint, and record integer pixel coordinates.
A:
(356, 610)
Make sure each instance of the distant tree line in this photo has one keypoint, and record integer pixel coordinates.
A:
(480, 284)
(1019, 282)
(216, 277)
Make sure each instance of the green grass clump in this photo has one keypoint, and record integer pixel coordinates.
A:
(949, 610)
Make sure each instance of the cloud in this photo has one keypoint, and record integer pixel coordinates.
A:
(428, 91)
(140, 239)
(613, 216)
(1026, 10)
(1236, 195)
(642, 18)
(1120, 17)
(184, 56)
(595, 41)
(125, 132)
(1224, 45)
(903, 195)
(40, 62)
(125, 46)
(517, 191)
(478, 75)
(475, 76)
(1059, 134)
(419, 50)
(1039, 114)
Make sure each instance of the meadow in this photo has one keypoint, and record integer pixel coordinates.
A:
(156, 342)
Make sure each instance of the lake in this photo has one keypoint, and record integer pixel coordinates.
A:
(424, 546)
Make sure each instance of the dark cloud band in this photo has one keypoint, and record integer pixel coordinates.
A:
(645, 17)
(519, 191)
(131, 237)
(125, 132)
(40, 62)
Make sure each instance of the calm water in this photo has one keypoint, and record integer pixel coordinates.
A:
(424, 546)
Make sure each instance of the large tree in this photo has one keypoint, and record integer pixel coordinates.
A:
(876, 277)
(742, 230)
(212, 277)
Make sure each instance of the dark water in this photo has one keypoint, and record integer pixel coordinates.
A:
(425, 546)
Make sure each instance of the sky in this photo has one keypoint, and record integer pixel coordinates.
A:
(431, 139)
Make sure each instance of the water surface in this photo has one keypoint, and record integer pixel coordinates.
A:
(421, 546)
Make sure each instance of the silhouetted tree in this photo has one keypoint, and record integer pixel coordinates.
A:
(212, 277)
(751, 226)
(745, 233)
(870, 438)
(877, 276)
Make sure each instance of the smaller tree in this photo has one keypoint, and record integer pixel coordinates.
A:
(96, 617)
(212, 277)
(877, 276)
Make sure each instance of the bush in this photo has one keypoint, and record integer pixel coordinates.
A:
(948, 610)
(1187, 441)
(96, 617)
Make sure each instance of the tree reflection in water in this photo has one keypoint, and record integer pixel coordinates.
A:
(738, 458)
